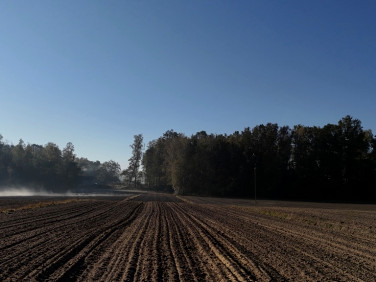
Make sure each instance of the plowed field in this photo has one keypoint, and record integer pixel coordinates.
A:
(158, 237)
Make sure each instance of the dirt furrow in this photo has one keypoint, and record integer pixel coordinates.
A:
(31, 232)
(58, 243)
(30, 237)
(211, 249)
(79, 245)
(339, 251)
(110, 265)
(302, 249)
(132, 263)
(255, 237)
(150, 265)
(339, 238)
(172, 263)
(235, 256)
(157, 237)
(201, 257)
(77, 264)
(28, 218)
(183, 249)
(326, 255)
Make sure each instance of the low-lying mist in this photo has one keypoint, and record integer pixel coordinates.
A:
(33, 192)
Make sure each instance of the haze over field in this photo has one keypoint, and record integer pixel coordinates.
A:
(32, 192)
(23, 191)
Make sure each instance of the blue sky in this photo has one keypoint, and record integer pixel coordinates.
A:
(95, 73)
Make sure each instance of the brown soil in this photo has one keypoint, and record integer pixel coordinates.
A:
(162, 237)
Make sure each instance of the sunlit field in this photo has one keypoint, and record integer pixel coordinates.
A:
(164, 237)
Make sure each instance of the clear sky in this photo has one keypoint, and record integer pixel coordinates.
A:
(95, 73)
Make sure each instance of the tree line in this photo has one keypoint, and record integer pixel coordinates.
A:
(51, 168)
(333, 162)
